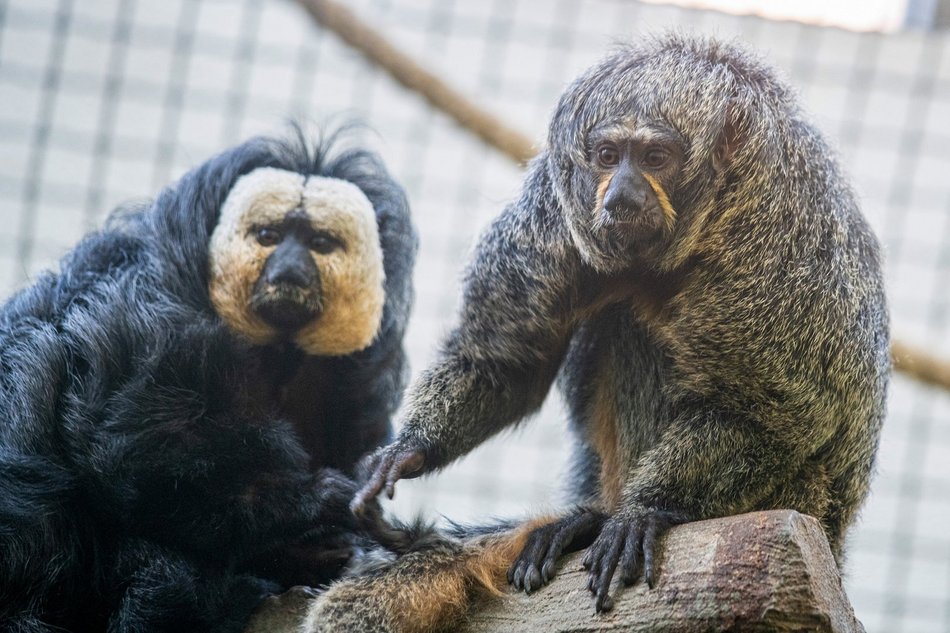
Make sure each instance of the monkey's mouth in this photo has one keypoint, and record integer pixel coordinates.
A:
(630, 229)
(286, 307)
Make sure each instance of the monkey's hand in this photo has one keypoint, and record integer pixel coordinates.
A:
(629, 540)
(535, 566)
(386, 466)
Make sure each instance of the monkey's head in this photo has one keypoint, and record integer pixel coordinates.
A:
(642, 143)
(298, 258)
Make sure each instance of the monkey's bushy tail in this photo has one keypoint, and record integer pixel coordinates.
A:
(428, 589)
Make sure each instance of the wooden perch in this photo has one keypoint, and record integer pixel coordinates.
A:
(763, 571)
(918, 364)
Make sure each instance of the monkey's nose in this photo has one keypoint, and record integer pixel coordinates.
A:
(290, 275)
(290, 265)
(624, 203)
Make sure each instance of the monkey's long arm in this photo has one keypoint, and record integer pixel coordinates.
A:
(497, 366)
(707, 464)
(710, 464)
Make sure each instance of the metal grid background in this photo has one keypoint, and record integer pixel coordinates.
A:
(106, 100)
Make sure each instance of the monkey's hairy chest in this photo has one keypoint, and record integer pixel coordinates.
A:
(302, 389)
(650, 297)
(618, 370)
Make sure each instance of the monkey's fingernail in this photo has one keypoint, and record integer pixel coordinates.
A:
(518, 576)
(547, 571)
(532, 579)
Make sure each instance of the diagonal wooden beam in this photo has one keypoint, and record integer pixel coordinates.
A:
(405, 70)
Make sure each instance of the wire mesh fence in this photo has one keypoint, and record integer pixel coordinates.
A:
(105, 101)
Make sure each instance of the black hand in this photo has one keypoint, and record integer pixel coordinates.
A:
(535, 566)
(387, 466)
(628, 541)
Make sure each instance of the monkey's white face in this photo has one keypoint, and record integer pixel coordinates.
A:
(328, 242)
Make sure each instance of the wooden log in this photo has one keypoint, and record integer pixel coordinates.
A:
(762, 571)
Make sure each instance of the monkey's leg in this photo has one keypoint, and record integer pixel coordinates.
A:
(535, 565)
(706, 464)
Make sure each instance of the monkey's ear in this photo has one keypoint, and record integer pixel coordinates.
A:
(732, 137)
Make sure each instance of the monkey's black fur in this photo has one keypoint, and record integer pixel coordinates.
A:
(148, 456)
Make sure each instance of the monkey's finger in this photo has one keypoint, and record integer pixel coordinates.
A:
(592, 576)
(367, 466)
(587, 559)
(599, 552)
(591, 554)
(604, 604)
(530, 558)
(608, 567)
(592, 564)
(565, 534)
(548, 568)
(649, 547)
(372, 487)
(532, 579)
(404, 465)
(391, 478)
(630, 561)
(516, 574)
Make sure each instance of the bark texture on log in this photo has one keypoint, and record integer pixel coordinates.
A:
(762, 571)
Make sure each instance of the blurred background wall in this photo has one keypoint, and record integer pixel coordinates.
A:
(106, 100)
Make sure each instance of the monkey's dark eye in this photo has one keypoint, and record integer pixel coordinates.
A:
(608, 156)
(323, 243)
(655, 157)
(267, 236)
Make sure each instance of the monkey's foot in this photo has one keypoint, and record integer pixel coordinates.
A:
(629, 542)
(534, 567)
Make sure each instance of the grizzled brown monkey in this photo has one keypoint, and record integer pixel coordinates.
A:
(689, 262)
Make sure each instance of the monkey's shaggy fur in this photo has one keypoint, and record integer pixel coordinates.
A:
(150, 474)
(721, 351)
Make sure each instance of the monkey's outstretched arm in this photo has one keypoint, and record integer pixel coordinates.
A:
(707, 464)
(497, 366)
